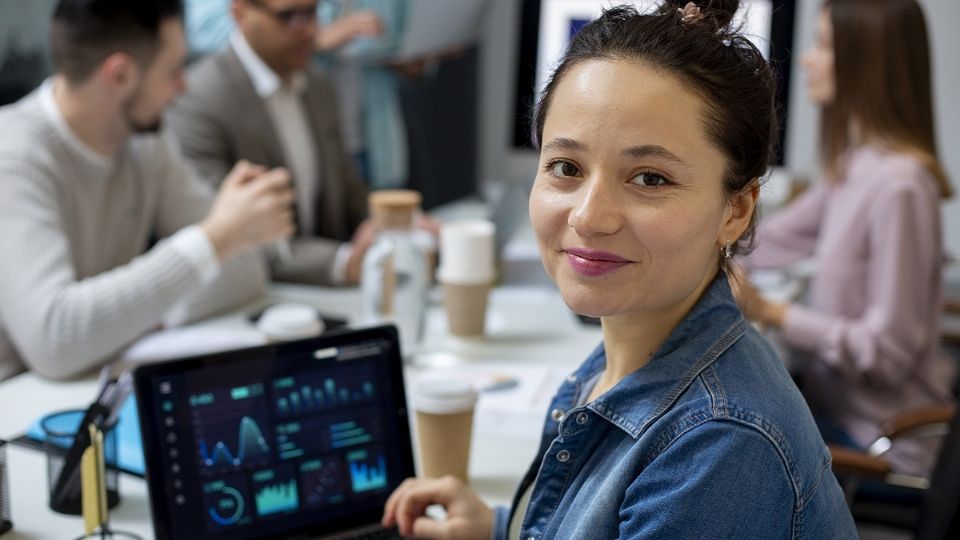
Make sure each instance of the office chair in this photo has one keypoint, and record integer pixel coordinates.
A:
(878, 495)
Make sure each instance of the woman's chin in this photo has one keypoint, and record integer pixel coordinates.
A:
(583, 303)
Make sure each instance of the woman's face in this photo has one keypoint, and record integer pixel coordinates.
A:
(628, 204)
(818, 63)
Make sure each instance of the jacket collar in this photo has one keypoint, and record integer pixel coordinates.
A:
(711, 327)
(265, 81)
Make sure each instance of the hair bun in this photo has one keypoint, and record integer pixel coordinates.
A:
(719, 12)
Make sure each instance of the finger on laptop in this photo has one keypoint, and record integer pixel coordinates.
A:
(389, 509)
(415, 499)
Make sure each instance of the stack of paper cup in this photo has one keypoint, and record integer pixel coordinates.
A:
(466, 273)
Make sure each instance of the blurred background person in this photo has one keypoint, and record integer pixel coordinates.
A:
(289, 119)
(354, 43)
(87, 185)
(867, 340)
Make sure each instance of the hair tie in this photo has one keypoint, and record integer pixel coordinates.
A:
(690, 13)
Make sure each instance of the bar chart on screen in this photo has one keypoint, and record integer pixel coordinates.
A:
(368, 470)
(275, 491)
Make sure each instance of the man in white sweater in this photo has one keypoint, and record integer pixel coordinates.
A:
(87, 184)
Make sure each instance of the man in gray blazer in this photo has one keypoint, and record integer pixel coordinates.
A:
(261, 100)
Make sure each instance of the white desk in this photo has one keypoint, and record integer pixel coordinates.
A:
(528, 326)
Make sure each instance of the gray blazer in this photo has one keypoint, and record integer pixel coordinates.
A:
(221, 120)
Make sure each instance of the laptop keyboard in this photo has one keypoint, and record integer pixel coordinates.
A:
(374, 532)
(383, 534)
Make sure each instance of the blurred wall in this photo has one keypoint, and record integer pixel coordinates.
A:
(24, 56)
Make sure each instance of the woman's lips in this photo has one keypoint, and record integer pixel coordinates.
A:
(589, 262)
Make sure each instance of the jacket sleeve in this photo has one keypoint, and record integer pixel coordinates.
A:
(501, 523)
(882, 345)
(791, 234)
(721, 480)
(312, 261)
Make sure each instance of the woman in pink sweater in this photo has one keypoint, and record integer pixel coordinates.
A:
(867, 340)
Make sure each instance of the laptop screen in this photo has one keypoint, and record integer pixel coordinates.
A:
(298, 438)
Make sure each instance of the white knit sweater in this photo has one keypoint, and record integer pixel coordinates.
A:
(77, 281)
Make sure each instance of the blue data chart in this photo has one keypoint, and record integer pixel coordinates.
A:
(251, 444)
(313, 392)
(229, 428)
(323, 481)
(275, 491)
(226, 503)
(368, 470)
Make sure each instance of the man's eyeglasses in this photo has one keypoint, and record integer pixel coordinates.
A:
(292, 17)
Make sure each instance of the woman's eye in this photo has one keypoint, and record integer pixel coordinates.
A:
(650, 179)
(564, 168)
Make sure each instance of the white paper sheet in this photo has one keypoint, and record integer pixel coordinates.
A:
(190, 341)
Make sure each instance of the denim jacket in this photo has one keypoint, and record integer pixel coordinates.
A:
(710, 439)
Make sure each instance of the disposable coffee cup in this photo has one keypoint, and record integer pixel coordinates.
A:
(289, 321)
(467, 273)
(444, 411)
(466, 307)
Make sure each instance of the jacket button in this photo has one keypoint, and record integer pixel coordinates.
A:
(582, 418)
(557, 414)
(571, 378)
(563, 456)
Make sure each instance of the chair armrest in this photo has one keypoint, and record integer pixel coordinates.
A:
(856, 463)
(938, 416)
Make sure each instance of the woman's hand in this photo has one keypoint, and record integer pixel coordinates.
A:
(753, 304)
(468, 516)
(347, 28)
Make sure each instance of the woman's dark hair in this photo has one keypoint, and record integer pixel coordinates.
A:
(708, 56)
(85, 32)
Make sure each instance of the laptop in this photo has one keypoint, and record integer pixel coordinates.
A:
(302, 439)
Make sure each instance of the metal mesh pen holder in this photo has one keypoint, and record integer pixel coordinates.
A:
(59, 432)
(5, 523)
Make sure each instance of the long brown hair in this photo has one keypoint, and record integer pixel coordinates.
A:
(883, 81)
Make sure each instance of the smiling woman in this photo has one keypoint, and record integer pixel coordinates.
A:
(629, 205)
(654, 132)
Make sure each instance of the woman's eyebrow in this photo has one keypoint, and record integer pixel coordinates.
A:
(654, 150)
(564, 143)
(640, 151)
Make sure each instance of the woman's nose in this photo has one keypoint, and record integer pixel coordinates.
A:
(596, 211)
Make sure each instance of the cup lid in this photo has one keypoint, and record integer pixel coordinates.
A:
(443, 395)
(290, 321)
(393, 208)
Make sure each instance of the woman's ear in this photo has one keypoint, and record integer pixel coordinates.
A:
(739, 212)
